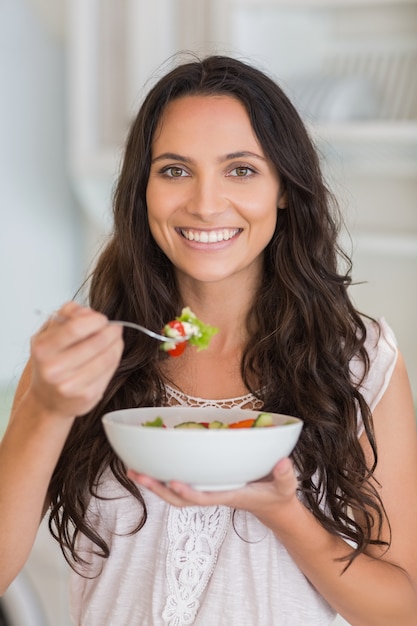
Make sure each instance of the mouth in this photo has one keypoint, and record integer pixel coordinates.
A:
(209, 236)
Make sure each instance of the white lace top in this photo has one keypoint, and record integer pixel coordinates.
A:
(192, 565)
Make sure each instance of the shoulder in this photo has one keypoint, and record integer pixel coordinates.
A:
(382, 349)
(380, 340)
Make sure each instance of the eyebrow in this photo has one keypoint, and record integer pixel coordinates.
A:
(173, 156)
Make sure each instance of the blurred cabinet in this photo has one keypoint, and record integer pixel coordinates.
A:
(115, 49)
(351, 68)
(349, 65)
(353, 63)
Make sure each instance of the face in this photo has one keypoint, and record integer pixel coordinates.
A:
(212, 194)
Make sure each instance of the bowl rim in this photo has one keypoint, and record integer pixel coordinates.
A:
(111, 418)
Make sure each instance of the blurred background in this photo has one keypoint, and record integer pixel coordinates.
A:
(72, 76)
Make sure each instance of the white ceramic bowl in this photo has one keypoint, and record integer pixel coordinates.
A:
(207, 459)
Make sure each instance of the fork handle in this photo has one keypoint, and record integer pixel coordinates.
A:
(151, 333)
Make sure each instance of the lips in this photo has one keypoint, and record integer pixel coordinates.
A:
(209, 236)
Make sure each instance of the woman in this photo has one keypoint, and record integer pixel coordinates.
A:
(221, 206)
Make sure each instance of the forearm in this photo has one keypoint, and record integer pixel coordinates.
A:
(29, 452)
(370, 592)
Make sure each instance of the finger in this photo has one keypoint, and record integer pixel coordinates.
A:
(97, 369)
(156, 487)
(79, 392)
(69, 309)
(63, 332)
(283, 469)
(73, 359)
(285, 478)
(72, 308)
(199, 497)
(180, 494)
(88, 356)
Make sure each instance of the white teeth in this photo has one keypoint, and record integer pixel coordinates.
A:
(212, 236)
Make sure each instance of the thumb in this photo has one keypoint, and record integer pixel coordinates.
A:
(284, 466)
(284, 476)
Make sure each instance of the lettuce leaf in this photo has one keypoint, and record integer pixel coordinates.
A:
(201, 333)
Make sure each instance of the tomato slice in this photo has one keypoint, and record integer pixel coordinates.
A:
(178, 350)
(177, 326)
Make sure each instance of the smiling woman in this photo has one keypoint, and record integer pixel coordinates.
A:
(220, 206)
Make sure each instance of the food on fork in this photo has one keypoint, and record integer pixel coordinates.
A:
(187, 325)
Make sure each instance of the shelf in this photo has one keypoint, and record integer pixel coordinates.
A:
(399, 133)
(398, 245)
(379, 147)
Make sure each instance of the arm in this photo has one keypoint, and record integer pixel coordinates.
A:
(372, 591)
(375, 590)
(71, 363)
(379, 588)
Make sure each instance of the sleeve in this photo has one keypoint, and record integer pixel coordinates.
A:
(382, 349)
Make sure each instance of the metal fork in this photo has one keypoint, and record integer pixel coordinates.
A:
(142, 329)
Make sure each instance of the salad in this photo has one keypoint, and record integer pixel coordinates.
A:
(187, 325)
(261, 420)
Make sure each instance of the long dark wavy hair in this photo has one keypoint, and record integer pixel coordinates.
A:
(304, 329)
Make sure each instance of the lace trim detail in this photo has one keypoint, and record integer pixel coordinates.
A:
(195, 537)
(176, 397)
(195, 534)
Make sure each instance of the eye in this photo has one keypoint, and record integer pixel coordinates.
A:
(242, 171)
(173, 171)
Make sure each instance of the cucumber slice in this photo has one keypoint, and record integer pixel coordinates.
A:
(263, 419)
(217, 424)
(190, 425)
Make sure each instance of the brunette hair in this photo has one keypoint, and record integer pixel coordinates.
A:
(304, 329)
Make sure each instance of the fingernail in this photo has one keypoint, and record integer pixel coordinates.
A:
(174, 487)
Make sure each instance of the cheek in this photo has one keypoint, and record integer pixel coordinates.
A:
(152, 201)
(262, 198)
(159, 209)
(262, 209)
(264, 215)
(161, 203)
(156, 207)
(154, 215)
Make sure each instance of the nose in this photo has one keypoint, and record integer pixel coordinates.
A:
(206, 199)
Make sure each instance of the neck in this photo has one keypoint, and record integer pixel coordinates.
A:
(225, 306)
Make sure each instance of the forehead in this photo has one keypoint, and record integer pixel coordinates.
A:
(208, 118)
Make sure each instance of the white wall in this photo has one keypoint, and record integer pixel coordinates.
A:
(40, 240)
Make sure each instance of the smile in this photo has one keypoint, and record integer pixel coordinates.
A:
(209, 236)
